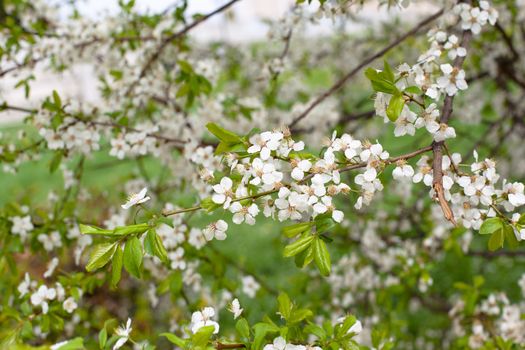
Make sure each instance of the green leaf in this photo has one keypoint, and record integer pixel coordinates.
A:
(285, 305)
(131, 229)
(316, 330)
(73, 344)
(133, 257)
(305, 257)
(181, 343)
(322, 257)
(101, 254)
(154, 245)
(293, 230)
(93, 230)
(116, 268)
(300, 315)
(102, 338)
(243, 328)
(223, 134)
(56, 99)
(261, 330)
(202, 337)
(388, 72)
(395, 107)
(298, 246)
(343, 327)
(510, 236)
(381, 81)
(496, 240)
(491, 225)
(55, 161)
(413, 90)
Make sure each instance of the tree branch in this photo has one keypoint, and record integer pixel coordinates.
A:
(164, 43)
(306, 178)
(339, 84)
(437, 147)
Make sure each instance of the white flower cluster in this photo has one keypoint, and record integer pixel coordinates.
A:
(448, 80)
(494, 316)
(43, 295)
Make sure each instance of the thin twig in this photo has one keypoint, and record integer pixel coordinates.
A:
(166, 41)
(437, 164)
(306, 178)
(339, 84)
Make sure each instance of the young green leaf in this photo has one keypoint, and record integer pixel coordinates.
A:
(298, 246)
(294, 230)
(243, 328)
(395, 107)
(322, 256)
(491, 225)
(116, 267)
(496, 240)
(285, 305)
(181, 343)
(93, 230)
(153, 245)
(223, 134)
(101, 254)
(133, 257)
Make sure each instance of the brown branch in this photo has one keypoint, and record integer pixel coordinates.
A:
(437, 147)
(306, 178)
(221, 346)
(166, 41)
(339, 84)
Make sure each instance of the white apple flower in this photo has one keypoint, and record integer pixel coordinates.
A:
(265, 143)
(123, 333)
(119, 148)
(299, 170)
(223, 192)
(402, 170)
(444, 132)
(452, 80)
(216, 230)
(21, 226)
(136, 198)
(176, 258)
(69, 305)
(454, 48)
(25, 285)
(203, 318)
(41, 296)
(405, 123)
(235, 308)
(250, 286)
(428, 119)
(244, 213)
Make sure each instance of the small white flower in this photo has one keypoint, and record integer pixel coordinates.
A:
(452, 80)
(402, 170)
(444, 132)
(123, 334)
(216, 230)
(250, 286)
(177, 259)
(223, 192)
(235, 308)
(203, 318)
(302, 167)
(69, 305)
(136, 198)
(454, 48)
(244, 214)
